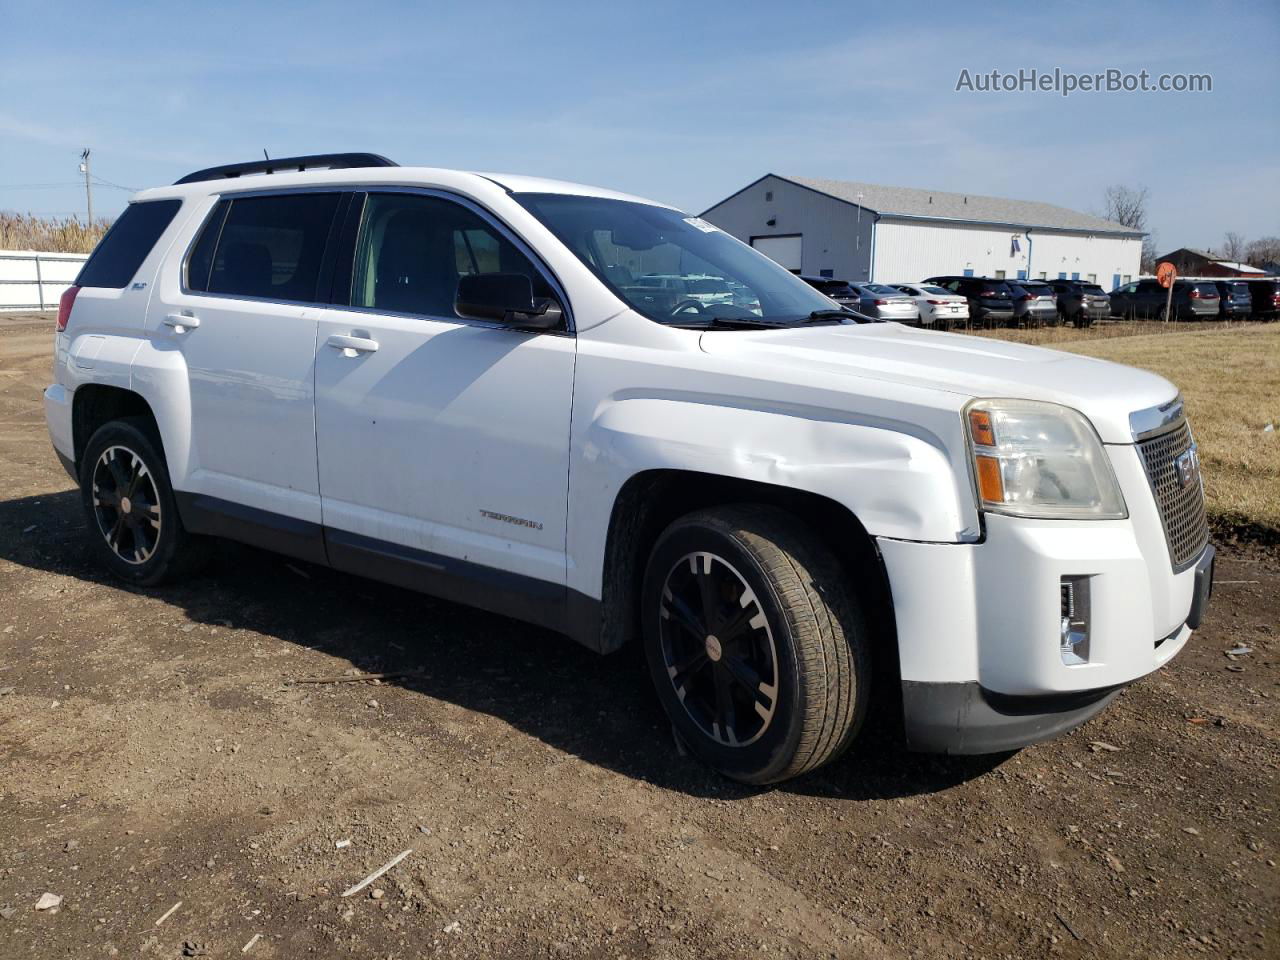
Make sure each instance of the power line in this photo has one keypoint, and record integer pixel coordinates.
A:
(38, 186)
(107, 183)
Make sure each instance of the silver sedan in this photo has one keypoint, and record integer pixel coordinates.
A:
(885, 303)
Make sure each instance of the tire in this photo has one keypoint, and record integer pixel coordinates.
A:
(144, 543)
(806, 635)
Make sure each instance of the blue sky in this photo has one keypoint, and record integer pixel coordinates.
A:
(684, 102)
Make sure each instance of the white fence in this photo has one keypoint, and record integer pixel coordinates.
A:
(30, 280)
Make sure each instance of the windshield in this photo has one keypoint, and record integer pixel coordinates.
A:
(880, 290)
(673, 268)
(936, 291)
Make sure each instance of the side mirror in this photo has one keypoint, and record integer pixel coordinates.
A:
(506, 298)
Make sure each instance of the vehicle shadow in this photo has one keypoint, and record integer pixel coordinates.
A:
(601, 709)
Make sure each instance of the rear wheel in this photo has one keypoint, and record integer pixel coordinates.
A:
(756, 648)
(133, 523)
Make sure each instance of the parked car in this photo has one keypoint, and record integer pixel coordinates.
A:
(841, 291)
(939, 308)
(990, 301)
(701, 287)
(1234, 302)
(1035, 303)
(1079, 302)
(442, 380)
(1146, 300)
(885, 303)
(1264, 297)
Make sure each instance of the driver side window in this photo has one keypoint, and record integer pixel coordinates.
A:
(412, 249)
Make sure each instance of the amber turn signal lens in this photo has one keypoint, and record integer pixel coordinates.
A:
(990, 486)
(980, 428)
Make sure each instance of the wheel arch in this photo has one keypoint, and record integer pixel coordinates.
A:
(651, 500)
(94, 404)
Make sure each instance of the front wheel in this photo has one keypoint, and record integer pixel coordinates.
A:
(756, 647)
(134, 527)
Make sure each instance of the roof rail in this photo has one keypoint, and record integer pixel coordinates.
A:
(329, 161)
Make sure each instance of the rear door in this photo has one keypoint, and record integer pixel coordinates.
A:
(242, 311)
(443, 442)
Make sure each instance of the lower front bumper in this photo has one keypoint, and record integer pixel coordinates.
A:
(961, 718)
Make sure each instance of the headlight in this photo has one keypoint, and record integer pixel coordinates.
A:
(1034, 459)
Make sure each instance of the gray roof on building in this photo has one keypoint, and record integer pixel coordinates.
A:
(938, 204)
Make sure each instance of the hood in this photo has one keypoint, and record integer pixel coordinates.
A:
(973, 367)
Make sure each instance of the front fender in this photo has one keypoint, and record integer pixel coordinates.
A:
(898, 484)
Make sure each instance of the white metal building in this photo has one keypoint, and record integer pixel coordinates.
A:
(864, 231)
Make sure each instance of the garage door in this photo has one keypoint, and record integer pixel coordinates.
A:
(783, 250)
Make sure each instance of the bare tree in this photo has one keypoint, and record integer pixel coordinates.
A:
(1147, 261)
(1263, 251)
(1127, 205)
(1233, 247)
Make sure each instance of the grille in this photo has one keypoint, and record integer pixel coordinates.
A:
(1181, 508)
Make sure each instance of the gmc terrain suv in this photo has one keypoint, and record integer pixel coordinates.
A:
(464, 384)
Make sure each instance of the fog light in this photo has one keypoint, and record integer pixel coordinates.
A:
(1074, 628)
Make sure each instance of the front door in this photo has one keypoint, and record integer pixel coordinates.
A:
(443, 442)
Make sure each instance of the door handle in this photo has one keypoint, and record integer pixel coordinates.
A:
(350, 346)
(181, 323)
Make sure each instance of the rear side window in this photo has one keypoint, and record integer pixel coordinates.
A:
(267, 247)
(121, 252)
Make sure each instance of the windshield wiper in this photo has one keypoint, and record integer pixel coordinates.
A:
(729, 323)
(842, 314)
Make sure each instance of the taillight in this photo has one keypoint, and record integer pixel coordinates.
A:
(1026, 296)
(65, 303)
(1275, 298)
(936, 303)
(882, 303)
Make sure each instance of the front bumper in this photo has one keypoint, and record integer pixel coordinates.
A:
(959, 718)
(979, 625)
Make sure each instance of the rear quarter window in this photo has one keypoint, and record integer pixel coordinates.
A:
(118, 256)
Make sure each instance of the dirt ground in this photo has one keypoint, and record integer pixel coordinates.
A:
(163, 773)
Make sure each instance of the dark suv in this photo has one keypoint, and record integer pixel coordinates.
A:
(1081, 302)
(1234, 302)
(1145, 300)
(990, 301)
(838, 290)
(1265, 295)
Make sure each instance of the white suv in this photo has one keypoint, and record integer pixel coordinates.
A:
(453, 382)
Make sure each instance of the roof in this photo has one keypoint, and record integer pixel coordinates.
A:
(1209, 257)
(940, 205)
(410, 176)
(1242, 267)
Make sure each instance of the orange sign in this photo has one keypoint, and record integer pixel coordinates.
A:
(1166, 273)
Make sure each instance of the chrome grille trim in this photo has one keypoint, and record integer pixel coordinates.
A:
(1154, 421)
(1186, 530)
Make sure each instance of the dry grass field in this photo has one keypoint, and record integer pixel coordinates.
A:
(1230, 377)
(25, 231)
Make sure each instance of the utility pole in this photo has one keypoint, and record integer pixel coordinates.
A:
(88, 186)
